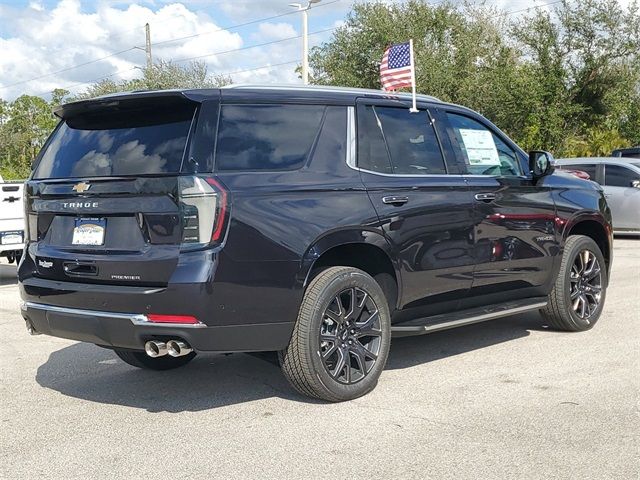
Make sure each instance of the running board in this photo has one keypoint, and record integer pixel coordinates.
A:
(420, 326)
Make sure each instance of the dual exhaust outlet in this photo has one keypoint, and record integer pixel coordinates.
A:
(174, 348)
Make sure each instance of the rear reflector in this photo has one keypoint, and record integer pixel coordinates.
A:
(184, 319)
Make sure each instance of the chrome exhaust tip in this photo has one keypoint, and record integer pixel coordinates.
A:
(178, 348)
(154, 349)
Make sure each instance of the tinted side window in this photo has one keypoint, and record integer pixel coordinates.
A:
(590, 169)
(484, 152)
(412, 142)
(372, 151)
(266, 137)
(331, 147)
(617, 176)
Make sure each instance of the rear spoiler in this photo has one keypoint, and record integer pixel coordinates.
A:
(132, 100)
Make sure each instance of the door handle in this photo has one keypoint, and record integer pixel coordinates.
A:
(395, 200)
(485, 197)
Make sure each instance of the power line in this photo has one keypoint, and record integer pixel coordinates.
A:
(225, 51)
(248, 47)
(89, 81)
(232, 27)
(203, 56)
(68, 68)
(260, 68)
(533, 8)
(251, 22)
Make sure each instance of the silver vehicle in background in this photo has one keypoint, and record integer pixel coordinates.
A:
(11, 220)
(620, 179)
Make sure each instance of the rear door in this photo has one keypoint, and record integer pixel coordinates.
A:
(623, 198)
(104, 200)
(422, 202)
(514, 218)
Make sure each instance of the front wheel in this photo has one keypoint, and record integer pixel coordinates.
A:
(341, 339)
(577, 298)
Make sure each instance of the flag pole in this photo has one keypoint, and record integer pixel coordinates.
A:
(413, 108)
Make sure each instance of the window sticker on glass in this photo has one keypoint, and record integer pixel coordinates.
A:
(480, 147)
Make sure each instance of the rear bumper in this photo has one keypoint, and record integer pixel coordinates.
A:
(15, 247)
(132, 330)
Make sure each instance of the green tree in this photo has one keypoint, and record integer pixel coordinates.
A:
(550, 80)
(161, 75)
(27, 121)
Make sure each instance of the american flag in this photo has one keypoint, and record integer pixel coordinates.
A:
(396, 69)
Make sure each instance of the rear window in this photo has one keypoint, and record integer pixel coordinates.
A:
(266, 137)
(123, 142)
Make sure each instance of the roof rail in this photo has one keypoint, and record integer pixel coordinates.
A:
(327, 88)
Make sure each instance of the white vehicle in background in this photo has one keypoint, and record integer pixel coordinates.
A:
(11, 220)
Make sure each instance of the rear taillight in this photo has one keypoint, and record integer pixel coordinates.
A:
(204, 208)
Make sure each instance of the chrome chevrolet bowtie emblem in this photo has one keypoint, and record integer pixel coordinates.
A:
(81, 187)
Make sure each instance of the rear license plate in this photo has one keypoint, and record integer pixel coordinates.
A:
(89, 231)
(11, 238)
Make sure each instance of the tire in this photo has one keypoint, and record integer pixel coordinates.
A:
(142, 360)
(343, 323)
(570, 292)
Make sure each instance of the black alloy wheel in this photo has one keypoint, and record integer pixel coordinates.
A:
(585, 284)
(578, 295)
(350, 336)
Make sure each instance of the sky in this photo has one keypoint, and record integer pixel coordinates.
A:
(47, 44)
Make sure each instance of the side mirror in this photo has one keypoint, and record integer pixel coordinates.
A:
(540, 163)
(635, 183)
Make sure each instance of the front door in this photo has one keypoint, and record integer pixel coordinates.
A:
(423, 204)
(514, 218)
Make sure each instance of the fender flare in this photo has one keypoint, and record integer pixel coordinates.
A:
(345, 236)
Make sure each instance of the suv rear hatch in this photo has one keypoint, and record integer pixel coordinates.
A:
(111, 199)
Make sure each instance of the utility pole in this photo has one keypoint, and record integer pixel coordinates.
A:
(305, 37)
(305, 46)
(147, 49)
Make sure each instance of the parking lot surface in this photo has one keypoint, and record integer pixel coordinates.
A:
(505, 399)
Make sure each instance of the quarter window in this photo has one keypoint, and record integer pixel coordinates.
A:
(617, 176)
(393, 140)
(484, 152)
(266, 137)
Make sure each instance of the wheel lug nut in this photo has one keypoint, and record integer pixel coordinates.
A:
(353, 331)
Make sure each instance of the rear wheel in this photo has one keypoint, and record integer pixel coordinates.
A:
(341, 340)
(577, 298)
(142, 360)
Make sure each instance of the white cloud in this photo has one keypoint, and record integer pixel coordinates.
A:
(42, 41)
(275, 31)
(39, 39)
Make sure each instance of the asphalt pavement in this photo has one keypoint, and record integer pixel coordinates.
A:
(505, 399)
